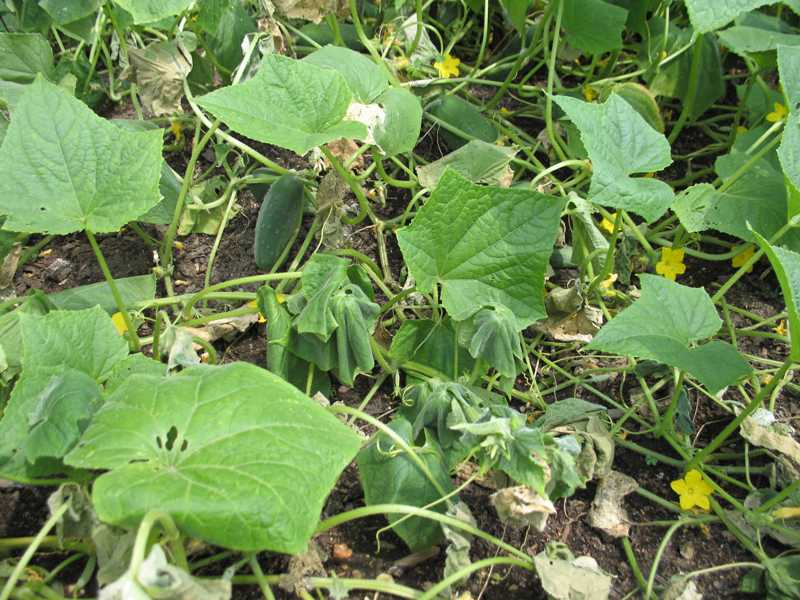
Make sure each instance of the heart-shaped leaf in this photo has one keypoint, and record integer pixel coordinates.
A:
(484, 246)
(236, 455)
(664, 324)
(290, 103)
(620, 143)
(64, 169)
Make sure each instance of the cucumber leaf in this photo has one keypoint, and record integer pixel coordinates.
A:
(491, 335)
(620, 143)
(707, 16)
(365, 78)
(289, 103)
(356, 316)
(64, 169)
(236, 455)
(433, 344)
(600, 33)
(484, 246)
(786, 265)
(323, 275)
(148, 11)
(478, 161)
(664, 324)
(23, 55)
(388, 476)
(133, 290)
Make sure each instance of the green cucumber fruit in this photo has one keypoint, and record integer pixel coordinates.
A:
(278, 220)
(463, 116)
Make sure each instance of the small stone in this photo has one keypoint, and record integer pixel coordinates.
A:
(342, 552)
(58, 270)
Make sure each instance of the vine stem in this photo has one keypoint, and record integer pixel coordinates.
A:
(19, 568)
(133, 339)
(657, 559)
(691, 91)
(143, 536)
(384, 509)
(465, 572)
(551, 75)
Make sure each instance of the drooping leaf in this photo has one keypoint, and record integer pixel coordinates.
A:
(565, 577)
(133, 290)
(478, 161)
(60, 414)
(600, 33)
(226, 24)
(786, 265)
(290, 103)
(64, 169)
(148, 11)
(356, 316)
(707, 16)
(311, 10)
(23, 55)
(517, 12)
(433, 344)
(237, 456)
(388, 476)
(323, 275)
(491, 335)
(664, 324)
(364, 77)
(620, 143)
(484, 246)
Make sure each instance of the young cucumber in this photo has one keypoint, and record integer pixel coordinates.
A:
(464, 116)
(278, 220)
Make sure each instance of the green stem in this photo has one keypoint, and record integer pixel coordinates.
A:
(363, 204)
(19, 568)
(657, 559)
(466, 571)
(691, 91)
(133, 339)
(551, 75)
(751, 407)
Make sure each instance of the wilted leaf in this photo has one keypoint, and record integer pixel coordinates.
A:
(520, 506)
(777, 437)
(159, 71)
(311, 10)
(607, 512)
(564, 577)
(478, 161)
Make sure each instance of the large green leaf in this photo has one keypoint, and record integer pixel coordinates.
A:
(786, 264)
(745, 40)
(517, 12)
(236, 455)
(708, 15)
(23, 55)
(398, 131)
(484, 246)
(365, 78)
(64, 169)
(601, 32)
(293, 104)
(664, 324)
(433, 344)
(147, 11)
(620, 143)
(85, 340)
(68, 11)
(133, 290)
(389, 476)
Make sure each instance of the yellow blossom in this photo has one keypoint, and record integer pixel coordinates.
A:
(119, 322)
(608, 224)
(401, 63)
(504, 111)
(787, 512)
(780, 329)
(589, 93)
(693, 490)
(778, 114)
(671, 263)
(609, 282)
(740, 259)
(178, 245)
(176, 130)
(741, 129)
(254, 304)
(448, 67)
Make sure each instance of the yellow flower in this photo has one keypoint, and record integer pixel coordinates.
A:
(741, 129)
(119, 323)
(401, 63)
(608, 224)
(787, 512)
(589, 93)
(693, 490)
(671, 263)
(608, 283)
(178, 245)
(743, 256)
(780, 329)
(504, 111)
(448, 67)
(176, 130)
(778, 114)
(254, 304)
